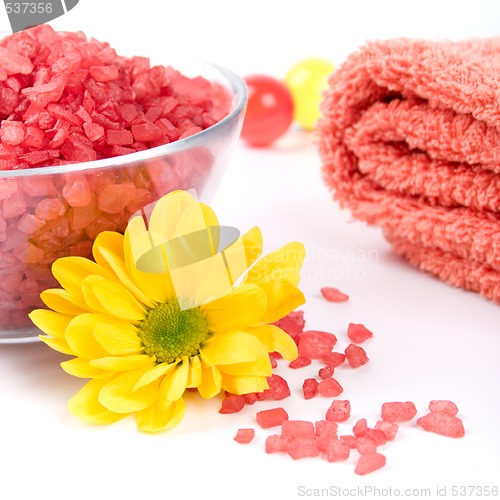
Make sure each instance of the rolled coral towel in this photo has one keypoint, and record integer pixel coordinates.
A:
(409, 140)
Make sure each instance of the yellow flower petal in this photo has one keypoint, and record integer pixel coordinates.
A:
(233, 347)
(261, 368)
(243, 385)
(195, 375)
(111, 298)
(275, 339)
(50, 322)
(211, 381)
(82, 368)
(118, 337)
(155, 419)
(57, 345)
(63, 302)
(282, 298)
(173, 385)
(71, 271)
(252, 241)
(123, 363)
(85, 404)
(108, 252)
(154, 374)
(80, 336)
(243, 307)
(289, 256)
(119, 396)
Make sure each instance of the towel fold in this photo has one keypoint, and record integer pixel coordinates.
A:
(409, 141)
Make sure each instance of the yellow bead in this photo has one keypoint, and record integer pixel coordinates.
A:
(306, 81)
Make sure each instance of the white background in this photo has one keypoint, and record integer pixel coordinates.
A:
(430, 341)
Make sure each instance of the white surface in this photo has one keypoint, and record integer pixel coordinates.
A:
(430, 341)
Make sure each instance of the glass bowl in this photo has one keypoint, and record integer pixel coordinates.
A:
(116, 188)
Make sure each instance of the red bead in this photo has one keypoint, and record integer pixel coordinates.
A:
(269, 110)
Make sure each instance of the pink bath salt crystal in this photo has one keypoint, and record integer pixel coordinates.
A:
(12, 133)
(7, 188)
(115, 197)
(390, 429)
(77, 148)
(356, 355)
(273, 357)
(146, 132)
(93, 131)
(250, 398)
(29, 223)
(330, 387)
(278, 387)
(81, 217)
(31, 254)
(11, 281)
(376, 435)
(302, 447)
(310, 387)
(244, 436)
(277, 443)
(358, 333)
(300, 362)
(34, 137)
(14, 205)
(326, 427)
(442, 423)
(360, 428)
(334, 295)
(398, 411)
(337, 450)
(339, 411)
(369, 462)
(293, 323)
(443, 406)
(365, 445)
(315, 344)
(326, 372)
(13, 62)
(42, 185)
(297, 428)
(49, 209)
(76, 191)
(104, 73)
(119, 137)
(3, 231)
(232, 404)
(47, 92)
(349, 440)
(271, 418)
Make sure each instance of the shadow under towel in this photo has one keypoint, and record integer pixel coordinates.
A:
(409, 141)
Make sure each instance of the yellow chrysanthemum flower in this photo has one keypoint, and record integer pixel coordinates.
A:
(146, 320)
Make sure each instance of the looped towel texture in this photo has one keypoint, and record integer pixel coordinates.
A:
(409, 140)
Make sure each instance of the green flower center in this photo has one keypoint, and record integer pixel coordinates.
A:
(170, 334)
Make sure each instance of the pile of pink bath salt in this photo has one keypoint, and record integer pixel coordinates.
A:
(66, 99)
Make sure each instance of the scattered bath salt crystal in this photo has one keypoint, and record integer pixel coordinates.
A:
(356, 355)
(309, 388)
(301, 447)
(300, 362)
(277, 443)
(337, 450)
(334, 295)
(244, 436)
(442, 423)
(369, 462)
(278, 387)
(390, 429)
(358, 333)
(326, 427)
(293, 323)
(334, 359)
(273, 356)
(339, 411)
(232, 404)
(297, 428)
(329, 387)
(443, 406)
(315, 344)
(349, 440)
(365, 445)
(360, 428)
(272, 417)
(398, 411)
(326, 372)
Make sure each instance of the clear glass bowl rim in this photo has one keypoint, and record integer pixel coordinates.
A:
(240, 95)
